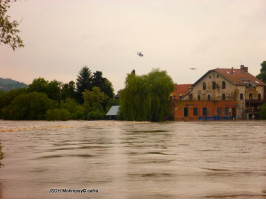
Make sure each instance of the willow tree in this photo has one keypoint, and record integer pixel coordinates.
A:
(146, 98)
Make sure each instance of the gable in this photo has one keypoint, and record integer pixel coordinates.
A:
(211, 76)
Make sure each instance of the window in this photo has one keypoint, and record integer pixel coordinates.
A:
(213, 85)
(190, 97)
(226, 111)
(198, 97)
(210, 77)
(204, 86)
(219, 111)
(217, 76)
(223, 85)
(195, 111)
(204, 111)
(223, 97)
(259, 96)
(185, 112)
(209, 97)
(241, 96)
(250, 96)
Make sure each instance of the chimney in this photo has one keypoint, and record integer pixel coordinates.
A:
(243, 68)
(232, 70)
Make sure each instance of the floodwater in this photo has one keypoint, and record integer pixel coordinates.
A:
(113, 159)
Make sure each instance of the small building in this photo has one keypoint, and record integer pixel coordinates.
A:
(113, 112)
(222, 93)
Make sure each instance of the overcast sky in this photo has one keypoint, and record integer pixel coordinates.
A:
(62, 36)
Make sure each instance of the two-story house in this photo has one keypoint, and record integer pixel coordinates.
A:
(222, 93)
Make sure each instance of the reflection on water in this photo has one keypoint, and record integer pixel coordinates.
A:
(133, 160)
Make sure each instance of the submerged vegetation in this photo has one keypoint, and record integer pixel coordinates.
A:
(146, 98)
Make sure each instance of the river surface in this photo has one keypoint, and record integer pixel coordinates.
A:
(114, 159)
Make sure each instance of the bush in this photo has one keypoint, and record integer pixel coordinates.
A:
(58, 114)
(95, 114)
(262, 112)
(29, 106)
(79, 113)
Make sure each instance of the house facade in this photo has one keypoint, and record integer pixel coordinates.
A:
(222, 93)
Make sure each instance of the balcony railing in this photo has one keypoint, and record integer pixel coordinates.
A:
(255, 102)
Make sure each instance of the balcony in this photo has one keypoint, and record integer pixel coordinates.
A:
(255, 102)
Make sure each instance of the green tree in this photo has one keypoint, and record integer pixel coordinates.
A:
(84, 82)
(262, 74)
(8, 28)
(30, 106)
(7, 97)
(68, 90)
(52, 88)
(76, 111)
(103, 83)
(39, 85)
(262, 112)
(146, 98)
(94, 97)
(93, 101)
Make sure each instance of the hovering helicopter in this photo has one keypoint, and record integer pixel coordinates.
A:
(140, 54)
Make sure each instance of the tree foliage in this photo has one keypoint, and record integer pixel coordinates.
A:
(68, 90)
(262, 112)
(8, 28)
(52, 88)
(7, 97)
(84, 82)
(57, 114)
(262, 74)
(146, 98)
(29, 106)
(53, 100)
(103, 83)
(93, 101)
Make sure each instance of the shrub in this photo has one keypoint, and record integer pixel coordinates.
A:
(262, 112)
(29, 106)
(95, 114)
(57, 114)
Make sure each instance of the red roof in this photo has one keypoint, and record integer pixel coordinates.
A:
(238, 76)
(181, 90)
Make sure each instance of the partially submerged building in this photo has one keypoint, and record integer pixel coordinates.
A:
(222, 93)
(113, 112)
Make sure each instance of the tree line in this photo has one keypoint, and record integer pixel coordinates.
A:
(89, 98)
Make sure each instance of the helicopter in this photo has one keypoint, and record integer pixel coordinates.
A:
(140, 54)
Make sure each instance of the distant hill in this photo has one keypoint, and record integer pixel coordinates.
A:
(9, 84)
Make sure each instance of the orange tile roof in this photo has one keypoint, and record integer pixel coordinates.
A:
(238, 76)
(180, 89)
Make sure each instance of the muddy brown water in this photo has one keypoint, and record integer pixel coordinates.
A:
(114, 159)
